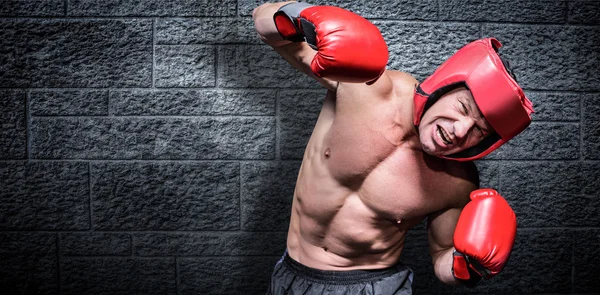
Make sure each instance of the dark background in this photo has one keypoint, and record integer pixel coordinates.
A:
(151, 147)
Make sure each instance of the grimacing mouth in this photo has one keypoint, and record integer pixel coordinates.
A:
(443, 135)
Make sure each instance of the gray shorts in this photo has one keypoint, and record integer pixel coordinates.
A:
(292, 278)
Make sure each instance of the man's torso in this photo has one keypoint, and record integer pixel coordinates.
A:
(361, 186)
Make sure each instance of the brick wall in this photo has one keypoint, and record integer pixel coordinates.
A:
(151, 147)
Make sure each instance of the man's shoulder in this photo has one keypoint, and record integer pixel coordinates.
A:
(401, 77)
(466, 177)
(389, 83)
(401, 80)
(466, 171)
(457, 170)
(459, 180)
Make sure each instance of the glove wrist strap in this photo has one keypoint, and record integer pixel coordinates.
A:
(287, 21)
(462, 270)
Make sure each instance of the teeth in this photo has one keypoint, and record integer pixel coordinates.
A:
(443, 136)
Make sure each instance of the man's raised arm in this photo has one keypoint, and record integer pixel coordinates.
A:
(328, 43)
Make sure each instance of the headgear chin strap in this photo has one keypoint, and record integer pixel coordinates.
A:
(478, 67)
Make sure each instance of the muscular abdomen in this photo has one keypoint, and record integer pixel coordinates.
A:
(331, 227)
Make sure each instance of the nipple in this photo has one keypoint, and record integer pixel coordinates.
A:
(327, 153)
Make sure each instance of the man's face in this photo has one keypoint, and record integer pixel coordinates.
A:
(452, 124)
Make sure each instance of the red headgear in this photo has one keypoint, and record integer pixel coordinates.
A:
(478, 67)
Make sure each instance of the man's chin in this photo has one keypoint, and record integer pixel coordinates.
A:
(437, 152)
(432, 151)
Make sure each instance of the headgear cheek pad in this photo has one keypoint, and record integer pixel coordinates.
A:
(478, 67)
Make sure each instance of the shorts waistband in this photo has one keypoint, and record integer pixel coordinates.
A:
(340, 276)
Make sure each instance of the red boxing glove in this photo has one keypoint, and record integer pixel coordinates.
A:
(350, 48)
(484, 236)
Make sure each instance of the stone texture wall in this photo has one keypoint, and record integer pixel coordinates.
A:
(151, 147)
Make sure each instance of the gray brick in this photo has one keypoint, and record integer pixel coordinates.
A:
(402, 9)
(589, 211)
(28, 263)
(586, 263)
(584, 12)
(550, 251)
(151, 8)
(13, 134)
(153, 138)
(489, 174)
(75, 53)
(44, 195)
(249, 66)
(185, 66)
(68, 102)
(32, 8)
(591, 127)
(210, 244)
(551, 57)
(146, 102)
(184, 31)
(299, 111)
(534, 11)
(546, 194)
(165, 196)
(419, 48)
(95, 244)
(399, 10)
(591, 178)
(557, 106)
(416, 256)
(245, 7)
(226, 275)
(542, 141)
(267, 193)
(117, 276)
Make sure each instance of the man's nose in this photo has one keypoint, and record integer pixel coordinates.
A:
(463, 126)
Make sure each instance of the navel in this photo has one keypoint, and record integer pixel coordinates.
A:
(327, 153)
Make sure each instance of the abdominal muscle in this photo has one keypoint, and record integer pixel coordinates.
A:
(348, 238)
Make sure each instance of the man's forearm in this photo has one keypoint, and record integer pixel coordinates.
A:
(265, 26)
(442, 266)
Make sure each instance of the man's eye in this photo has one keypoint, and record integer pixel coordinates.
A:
(479, 130)
(464, 107)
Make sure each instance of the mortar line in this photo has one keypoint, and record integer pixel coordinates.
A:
(572, 265)
(277, 125)
(398, 20)
(152, 73)
(240, 194)
(581, 115)
(216, 49)
(131, 246)
(177, 276)
(90, 195)
(28, 125)
(108, 102)
(58, 283)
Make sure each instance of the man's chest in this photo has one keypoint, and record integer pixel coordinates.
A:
(363, 135)
(393, 181)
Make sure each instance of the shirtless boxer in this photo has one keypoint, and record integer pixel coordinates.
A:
(388, 152)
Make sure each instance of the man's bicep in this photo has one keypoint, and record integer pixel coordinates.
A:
(440, 229)
(300, 56)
